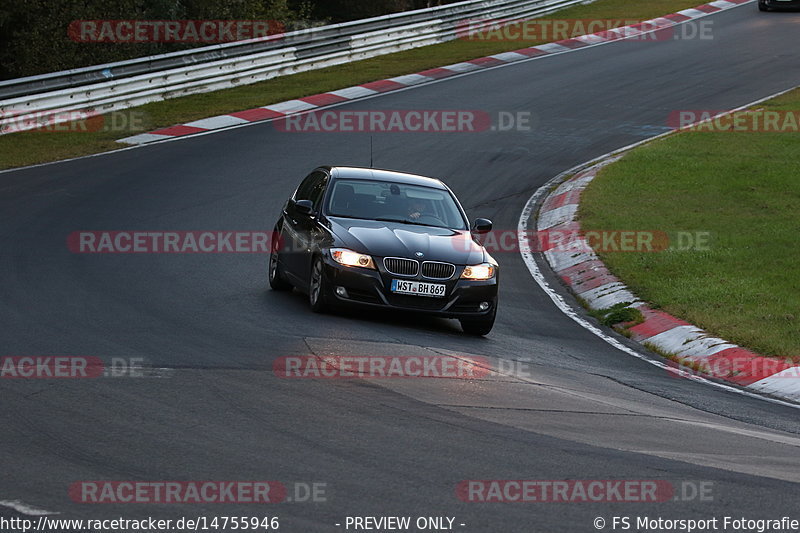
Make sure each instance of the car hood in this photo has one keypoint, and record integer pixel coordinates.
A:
(390, 239)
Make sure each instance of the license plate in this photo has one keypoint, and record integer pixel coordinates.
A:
(418, 288)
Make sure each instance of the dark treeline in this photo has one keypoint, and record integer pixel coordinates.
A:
(35, 39)
(344, 10)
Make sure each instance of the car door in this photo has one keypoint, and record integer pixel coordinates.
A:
(301, 231)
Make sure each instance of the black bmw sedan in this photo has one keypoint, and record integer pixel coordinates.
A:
(766, 5)
(379, 238)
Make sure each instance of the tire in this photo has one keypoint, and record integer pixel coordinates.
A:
(317, 289)
(762, 7)
(480, 326)
(276, 280)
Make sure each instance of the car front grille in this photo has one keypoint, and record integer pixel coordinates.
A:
(400, 266)
(436, 270)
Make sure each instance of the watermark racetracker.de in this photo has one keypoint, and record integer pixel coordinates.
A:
(172, 242)
(197, 492)
(406, 121)
(372, 366)
(72, 121)
(738, 367)
(133, 31)
(74, 367)
(744, 121)
(583, 491)
(552, 30)
(573, 240)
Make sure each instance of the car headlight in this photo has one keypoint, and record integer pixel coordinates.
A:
(482, 271)
(346, 257)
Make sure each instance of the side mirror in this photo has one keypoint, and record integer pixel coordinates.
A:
(304, 207)
(481, 225)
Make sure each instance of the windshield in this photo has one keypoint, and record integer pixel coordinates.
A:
(395, 202)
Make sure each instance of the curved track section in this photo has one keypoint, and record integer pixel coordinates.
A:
(210, 330)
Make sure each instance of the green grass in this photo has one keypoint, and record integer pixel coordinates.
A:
(618, 314)
(744, 190)
(21, 149)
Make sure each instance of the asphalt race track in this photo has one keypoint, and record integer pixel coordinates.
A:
(209, 329)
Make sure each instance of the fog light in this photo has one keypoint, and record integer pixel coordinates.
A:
(341, 292)
(483, 306)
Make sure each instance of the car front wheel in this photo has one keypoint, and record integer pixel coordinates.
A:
(276, 280)
(479, 326)
(318, 290)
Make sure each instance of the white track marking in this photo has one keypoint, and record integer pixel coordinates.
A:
(141, 138)
(463, 67)
(692, 12)
(24, 508)
(609, 295)
(784, 382)
(554, 48)
(290, 106)
(410, 79)
(557, 216)
(509, 56)
(353, 93)
(689, 341)
(220, 121)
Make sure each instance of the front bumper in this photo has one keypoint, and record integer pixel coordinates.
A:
(371, 288)
(778, 4)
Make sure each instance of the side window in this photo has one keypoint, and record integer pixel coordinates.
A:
(312, 188)
(318, 191)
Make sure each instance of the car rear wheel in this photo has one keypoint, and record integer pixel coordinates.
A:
(762, 6)
(276, 280)
(318, 290)
(480, 326)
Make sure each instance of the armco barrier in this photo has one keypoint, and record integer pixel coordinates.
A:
(125, 84)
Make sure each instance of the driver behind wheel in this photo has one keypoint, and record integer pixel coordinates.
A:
(416, 208)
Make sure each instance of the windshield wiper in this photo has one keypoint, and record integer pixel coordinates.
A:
(398, 220)
(350, 216)
(404, 221)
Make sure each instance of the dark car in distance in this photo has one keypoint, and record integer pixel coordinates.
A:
(384, 239)
(766, 5)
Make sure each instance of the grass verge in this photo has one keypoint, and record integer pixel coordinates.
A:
(742, 189)
(618, 314)
(20, 149)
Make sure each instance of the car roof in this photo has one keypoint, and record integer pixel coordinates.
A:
(378, 174)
